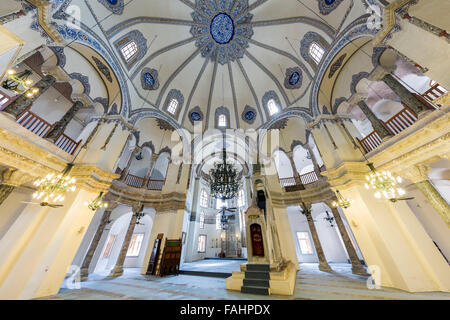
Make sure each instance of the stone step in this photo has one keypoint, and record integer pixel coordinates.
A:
(256, 283)
(255, 290)
(259, 275)
(206, 274)
(258, 267)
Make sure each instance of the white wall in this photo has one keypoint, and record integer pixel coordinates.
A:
(329, 237)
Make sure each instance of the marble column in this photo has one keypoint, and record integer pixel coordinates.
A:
(435, 199)
(59, 127)
(5, 191)
(118, 268)
(377, 124)
(149, 172)
(323, 264)
(313, 159)
(298, 180)
(418, 174)
(127, 168)
(23, 102)
(94, 244)
(405, 95)
(357, 267)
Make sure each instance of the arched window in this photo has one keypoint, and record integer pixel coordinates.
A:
(204, 199)
(173, 106)
(202, 220)
(272, 106)
(222, 122)
(129, 50)
(316, 52)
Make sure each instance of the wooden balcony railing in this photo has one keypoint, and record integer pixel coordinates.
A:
(34, 123)
(134, 181)
(156, 185)
(436, 91)
(67, 144)
(305, 179)
(5, 99)
(40, 127)
(138, 182)
(309, 177)
(401, 121)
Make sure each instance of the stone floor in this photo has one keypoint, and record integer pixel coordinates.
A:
(311, 284)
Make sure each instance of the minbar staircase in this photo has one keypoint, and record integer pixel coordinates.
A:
(256, 281)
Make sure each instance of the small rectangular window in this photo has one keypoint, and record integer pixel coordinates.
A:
(304, 242)
(109, 245)
(202, 220)
(316, 52)
(273, 108)
(129, 50)
(202, 243)
(135, 245)
(172, 107)
(222, 121)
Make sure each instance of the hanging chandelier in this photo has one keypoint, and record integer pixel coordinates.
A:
(224, 179)
(97, 203)
(384, 184)
(54, 188)
(341, 201)
(20, 82)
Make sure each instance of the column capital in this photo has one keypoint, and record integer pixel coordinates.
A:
(306, 208)
(14, 177)
(137, 207)
(112, 205)
(380, 72)
(356, 98)
(416, 173)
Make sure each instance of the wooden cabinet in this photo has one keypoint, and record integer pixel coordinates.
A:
(170, 260)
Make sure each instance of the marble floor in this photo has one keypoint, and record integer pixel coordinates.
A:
(214, 265)
(310, 284)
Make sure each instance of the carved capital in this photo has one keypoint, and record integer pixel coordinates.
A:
(14, 177)
(93, 178)
(416, 173)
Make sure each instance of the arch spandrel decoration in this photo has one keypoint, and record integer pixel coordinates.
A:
(293, 78)
(195, 115)
(249, 114)
(149, 79)
(328, 6)
(115, 6)
(356, 79)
